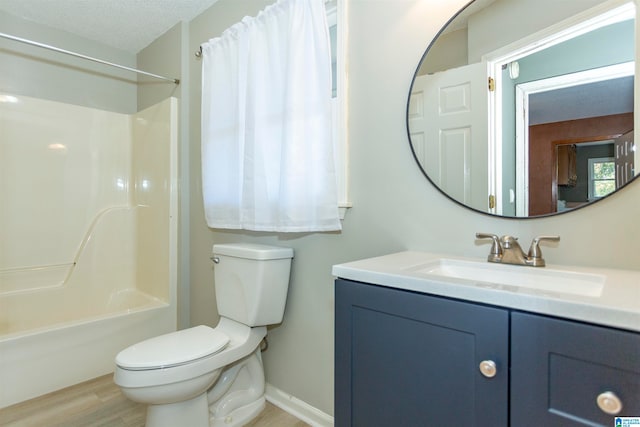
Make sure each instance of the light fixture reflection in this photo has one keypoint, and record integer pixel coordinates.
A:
(57, 147)
(121, 184)
(8, 98)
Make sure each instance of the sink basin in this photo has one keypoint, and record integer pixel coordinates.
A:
(539, 279)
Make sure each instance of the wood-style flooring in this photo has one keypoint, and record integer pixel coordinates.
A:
(99, 403)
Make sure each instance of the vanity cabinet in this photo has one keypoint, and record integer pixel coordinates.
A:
(566, 373)
(410, 359)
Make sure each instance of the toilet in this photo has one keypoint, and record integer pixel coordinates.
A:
(210, 377)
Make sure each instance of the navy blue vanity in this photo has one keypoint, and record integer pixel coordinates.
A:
(418, 350)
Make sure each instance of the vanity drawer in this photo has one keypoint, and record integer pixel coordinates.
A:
(566, 373)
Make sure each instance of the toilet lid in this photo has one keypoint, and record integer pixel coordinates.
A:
(175, 348)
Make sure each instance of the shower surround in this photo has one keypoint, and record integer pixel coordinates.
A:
(88, 226)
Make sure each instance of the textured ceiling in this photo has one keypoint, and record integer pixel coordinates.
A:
(130, 25)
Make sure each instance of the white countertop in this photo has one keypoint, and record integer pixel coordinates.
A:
(618, 305)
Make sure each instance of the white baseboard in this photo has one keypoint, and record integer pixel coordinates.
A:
(298, 408)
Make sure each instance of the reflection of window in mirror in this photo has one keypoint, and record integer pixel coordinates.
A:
(590, 182)
(602, 177)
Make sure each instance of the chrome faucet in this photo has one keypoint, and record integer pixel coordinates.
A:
(507, 250)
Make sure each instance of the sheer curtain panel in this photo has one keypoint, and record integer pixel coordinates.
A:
(267, 153)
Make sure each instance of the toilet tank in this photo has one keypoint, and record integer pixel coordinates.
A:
(251, 282)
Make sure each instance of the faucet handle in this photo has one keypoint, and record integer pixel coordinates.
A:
(535, 253)
(495, 254)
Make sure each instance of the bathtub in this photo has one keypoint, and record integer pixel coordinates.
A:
(47, 358)
(64, 324)
(85, 277)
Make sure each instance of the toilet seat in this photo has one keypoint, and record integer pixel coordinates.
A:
(173, 349)
(243, 341)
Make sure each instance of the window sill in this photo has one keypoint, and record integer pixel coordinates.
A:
(342, 209)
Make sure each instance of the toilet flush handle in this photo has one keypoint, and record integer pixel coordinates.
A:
(215, 259)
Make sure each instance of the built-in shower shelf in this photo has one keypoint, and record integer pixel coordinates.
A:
(15, 280)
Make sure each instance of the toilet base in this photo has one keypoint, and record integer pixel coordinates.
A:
(193, 413)
(239, 416)
(238, 395)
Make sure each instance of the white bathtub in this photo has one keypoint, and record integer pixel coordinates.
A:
(88, 253)
(49, 358)
(64, 324)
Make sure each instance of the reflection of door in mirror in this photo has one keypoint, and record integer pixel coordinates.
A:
(625, 162)
(452, 144)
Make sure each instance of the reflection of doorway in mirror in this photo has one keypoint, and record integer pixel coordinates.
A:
(543, 188)
(553, 49)
(596, 92)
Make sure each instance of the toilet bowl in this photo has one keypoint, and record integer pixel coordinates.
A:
(176, 386)
(210, 377)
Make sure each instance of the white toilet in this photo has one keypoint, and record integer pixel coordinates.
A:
(202, 376)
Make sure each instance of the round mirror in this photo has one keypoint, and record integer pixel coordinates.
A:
(524, 108)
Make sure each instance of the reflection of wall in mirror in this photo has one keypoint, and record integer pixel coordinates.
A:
(450, 51)
(506, 21)
(467, 44)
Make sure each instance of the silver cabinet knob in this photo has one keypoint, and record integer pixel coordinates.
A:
(488, 368)
(609, 403)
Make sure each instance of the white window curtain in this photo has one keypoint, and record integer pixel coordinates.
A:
(267, 153)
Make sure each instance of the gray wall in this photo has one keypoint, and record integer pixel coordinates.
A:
(392, 211)
(33, 71)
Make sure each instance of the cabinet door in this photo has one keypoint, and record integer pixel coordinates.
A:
(409, 359)
(559, 368)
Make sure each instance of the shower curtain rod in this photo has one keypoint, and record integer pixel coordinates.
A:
(89, 58)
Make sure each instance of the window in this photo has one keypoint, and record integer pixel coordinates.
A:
(602, 177)
(337, 19)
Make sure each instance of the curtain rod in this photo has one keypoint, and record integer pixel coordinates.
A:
(79, 55)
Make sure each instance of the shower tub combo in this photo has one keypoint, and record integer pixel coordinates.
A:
(88, 226)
